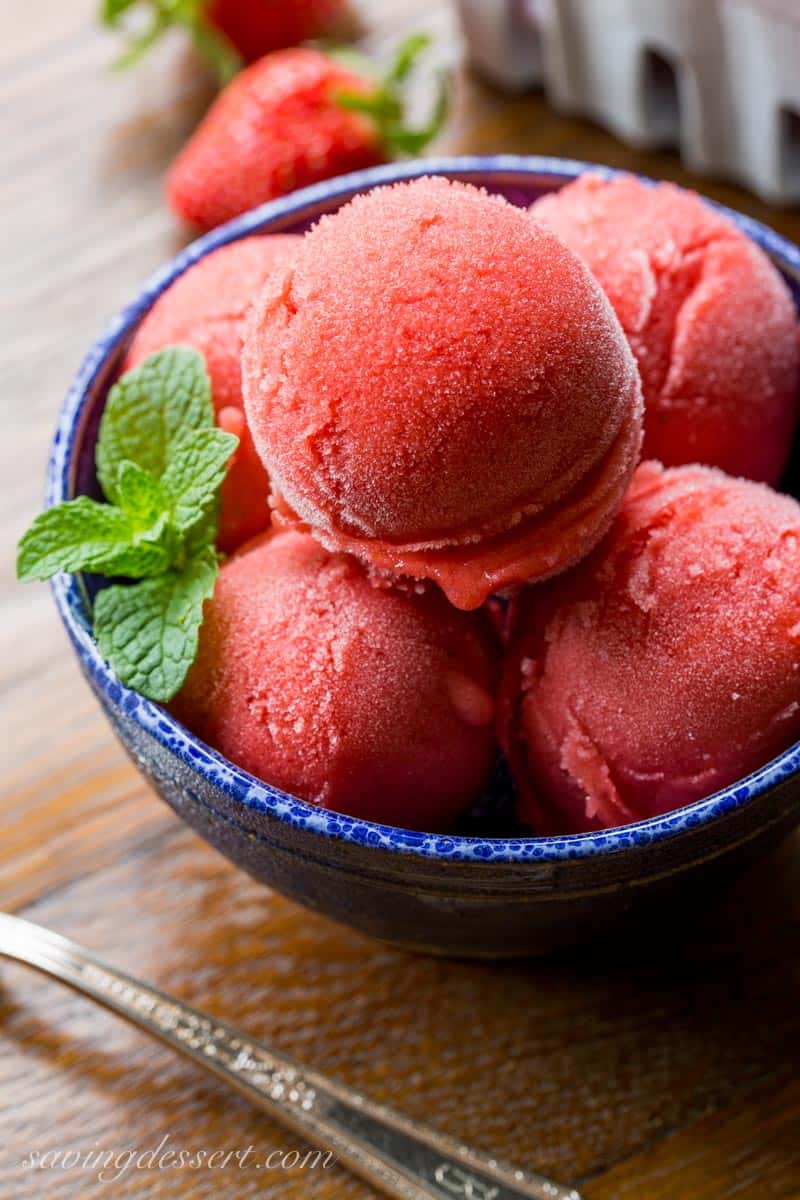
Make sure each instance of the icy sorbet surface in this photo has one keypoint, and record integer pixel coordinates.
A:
(438, 385)
(205, 309)
(665, 666)
(366, 700)
(708, 316)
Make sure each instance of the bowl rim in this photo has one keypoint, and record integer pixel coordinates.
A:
(237, 784)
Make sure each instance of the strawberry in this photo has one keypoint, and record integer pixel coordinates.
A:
(228, 32)
(255, 27)
(294, 118)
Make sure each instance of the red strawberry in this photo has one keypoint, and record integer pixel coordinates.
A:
(293, 118)
(255, 27)
(227, 32)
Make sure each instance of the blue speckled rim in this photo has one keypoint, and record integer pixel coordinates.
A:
(497, 171)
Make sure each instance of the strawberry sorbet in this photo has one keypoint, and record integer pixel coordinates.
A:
(366, 700)
(438, 385)
(708, 316)
(205, 309)
(664, 667)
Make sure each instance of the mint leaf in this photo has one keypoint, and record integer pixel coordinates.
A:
(165, 398)
(195, 470)
(161, 461)
(139, 494)
(204, 531)
(84, 535)
(148, 631)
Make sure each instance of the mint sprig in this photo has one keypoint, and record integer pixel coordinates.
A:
(148, 631)
(160, 462)
(165, 399)
(195, 469)
(82, 535)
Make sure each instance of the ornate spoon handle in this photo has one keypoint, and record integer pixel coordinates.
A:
(394, 1154)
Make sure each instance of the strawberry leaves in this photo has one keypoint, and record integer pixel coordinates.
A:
(160, 461)
(385, 104)
(152, 18)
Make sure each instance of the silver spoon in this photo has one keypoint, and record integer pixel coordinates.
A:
(394, 1154)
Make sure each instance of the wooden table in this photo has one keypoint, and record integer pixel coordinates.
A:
(672, 1077)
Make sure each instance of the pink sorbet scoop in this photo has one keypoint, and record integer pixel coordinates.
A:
(366, 700)
(665, 666)
(439, 386)
(708, 316)
(205, 308)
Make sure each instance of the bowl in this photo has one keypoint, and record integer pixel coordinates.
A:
(447, 894)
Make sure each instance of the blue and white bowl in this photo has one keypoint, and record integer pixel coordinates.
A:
(460, 895)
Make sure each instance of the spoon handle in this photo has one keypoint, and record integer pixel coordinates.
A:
(394, 1154)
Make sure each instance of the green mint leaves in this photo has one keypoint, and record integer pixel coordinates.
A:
(148, 631)
(160, 462)
(86, 536)
(193, 474)
(166, 398)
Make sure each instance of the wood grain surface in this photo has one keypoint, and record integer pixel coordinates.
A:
(671, 1077)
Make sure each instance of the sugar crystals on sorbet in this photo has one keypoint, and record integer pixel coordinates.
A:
(439, 386)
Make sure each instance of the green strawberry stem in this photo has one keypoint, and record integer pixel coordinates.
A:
(385, 106)
(212, 44)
